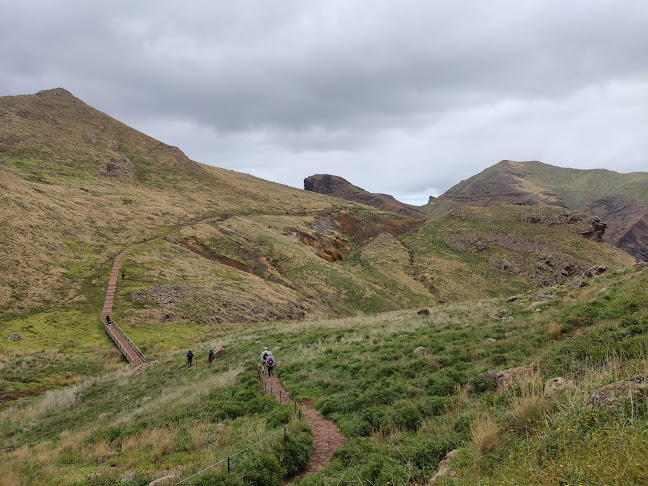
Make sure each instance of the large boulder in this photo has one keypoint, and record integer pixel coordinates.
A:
(634, 387)
(14, 337)
(556, 386)
(419, 350)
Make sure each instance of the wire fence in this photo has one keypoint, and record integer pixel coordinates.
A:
(228, 463)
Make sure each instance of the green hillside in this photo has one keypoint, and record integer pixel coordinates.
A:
(620, 200)
(405, 389)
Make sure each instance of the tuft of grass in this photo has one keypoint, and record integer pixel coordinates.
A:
(528, 409)
(554, 330)
(162, 441)
(486, 436)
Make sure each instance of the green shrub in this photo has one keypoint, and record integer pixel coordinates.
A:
(281, 415)
(296, 451)
(440, 385)
(405, 415)
(262, 469)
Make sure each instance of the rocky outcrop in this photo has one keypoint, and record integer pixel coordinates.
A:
(634, 387)
(595, 270)
(508, 378)
(14, 337)
(445, 470)
(339, 187)
(556, 386)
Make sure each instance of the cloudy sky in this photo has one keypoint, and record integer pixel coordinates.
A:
(405, 98)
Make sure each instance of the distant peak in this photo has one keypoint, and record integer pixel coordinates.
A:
(55, 92)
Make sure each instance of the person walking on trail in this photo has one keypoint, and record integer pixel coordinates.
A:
(270, 364)
(211, 357)
(189, 358)
(264, 356)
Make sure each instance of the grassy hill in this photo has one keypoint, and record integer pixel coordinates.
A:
(78, 186)
(405, 389)
(620, 200)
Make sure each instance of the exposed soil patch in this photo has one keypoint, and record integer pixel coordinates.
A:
(203, 251)
(363, 231)
(7, 396)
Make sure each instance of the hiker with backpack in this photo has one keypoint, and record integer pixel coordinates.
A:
(264, 357)
(270, 364)
(189, 358)
(211, 357)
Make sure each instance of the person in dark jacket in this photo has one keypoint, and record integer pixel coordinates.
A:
(211, 357)
(189, 358)
(270, 364)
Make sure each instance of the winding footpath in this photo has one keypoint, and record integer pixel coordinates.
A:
(327, 435)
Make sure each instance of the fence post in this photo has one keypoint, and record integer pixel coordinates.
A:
(228, 465)
(285, 437)
(295, 406)
(279, 397)
(300, 415)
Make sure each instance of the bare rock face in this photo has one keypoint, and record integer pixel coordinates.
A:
(508, 378)
(556, 386)
(14, 337)
(340, 187)
(634, 387)
(595, 270)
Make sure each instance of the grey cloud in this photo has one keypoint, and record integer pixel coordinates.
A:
(397, 97)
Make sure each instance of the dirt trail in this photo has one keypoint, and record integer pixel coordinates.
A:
(327, 436)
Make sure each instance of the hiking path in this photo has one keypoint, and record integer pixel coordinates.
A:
(327, 435)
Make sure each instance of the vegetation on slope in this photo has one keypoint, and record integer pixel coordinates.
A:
(403, 408)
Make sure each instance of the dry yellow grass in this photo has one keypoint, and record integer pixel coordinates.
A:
(53, 399)
(72, 442)
(528, 409)
(201, 434)
(45, 452)
(100, 450)
(554, 330)
(22, 453)
(162, 441)
(485, 435)
(9, 477)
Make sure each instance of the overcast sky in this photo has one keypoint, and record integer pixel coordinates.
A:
(405, 98)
